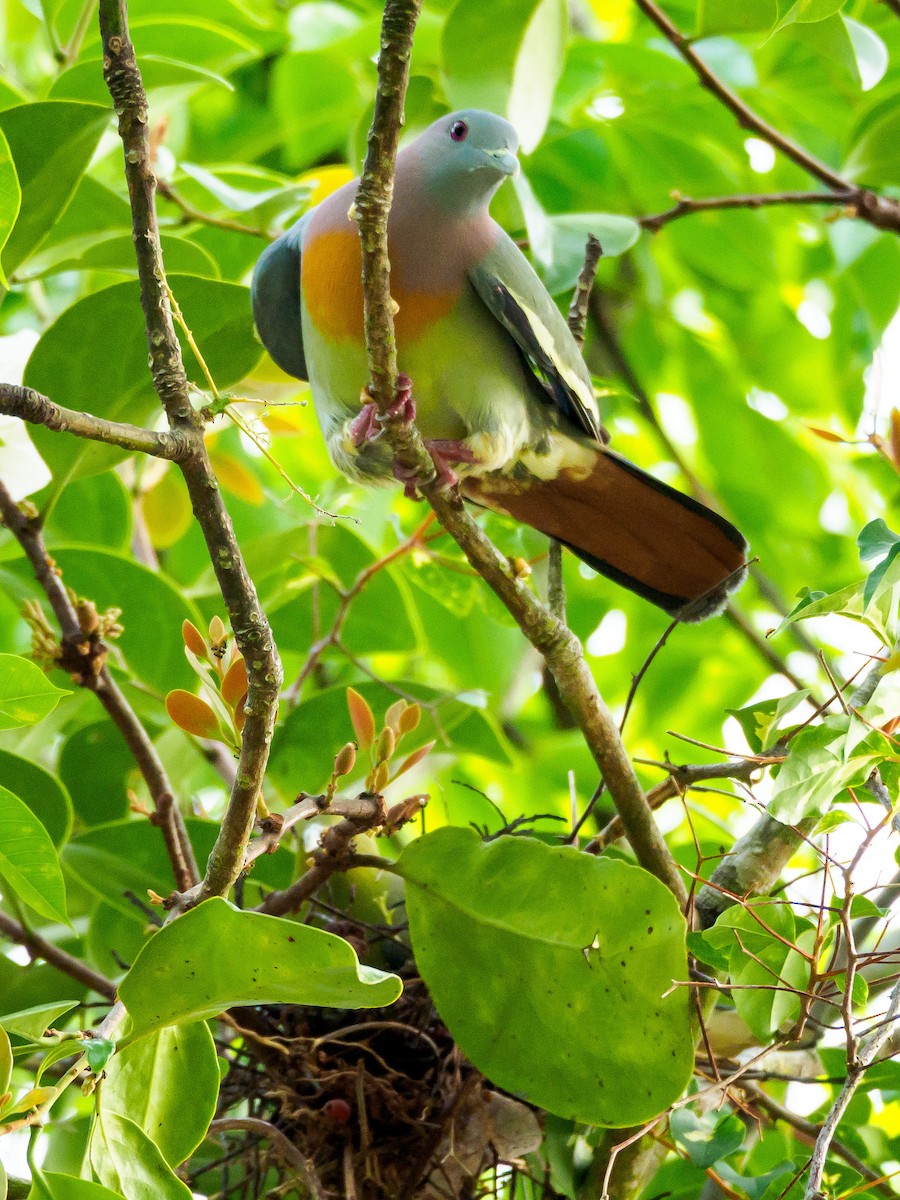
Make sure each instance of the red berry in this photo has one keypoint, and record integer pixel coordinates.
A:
(338, 1110)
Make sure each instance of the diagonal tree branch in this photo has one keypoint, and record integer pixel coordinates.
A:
(83, 655)
(880, 211)
(561, 649)
(31, 406)
(61, 959)
(251, 628)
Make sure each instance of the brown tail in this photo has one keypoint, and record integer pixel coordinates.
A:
(639, 532)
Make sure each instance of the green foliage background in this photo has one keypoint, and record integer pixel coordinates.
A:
(730, 334)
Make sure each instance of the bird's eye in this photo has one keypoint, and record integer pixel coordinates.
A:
(458, 131)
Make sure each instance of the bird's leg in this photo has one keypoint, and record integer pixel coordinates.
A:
(366, 426)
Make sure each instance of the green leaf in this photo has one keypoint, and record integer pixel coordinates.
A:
(870, 52)
(26, 694)
(802, 11)
(127, 1161)
(148, 1080)
(860, 996)
(568, 238)
(51, 142)
(534, 953)
(95, 765)
(862, 906)
(724, 16)
(216, 956)
(49, 1185)
(706, 1138)
(84, 81)
(508, 65)
(32, 1023)
(116, 254)
(308, 129)
(6, 1062)
(28, 861)
(875, 540)
(10, 199)
(93, 511)
(118, 386)
(824, 760)
(41, 791)
(760, 722)
(875, 158)
(760, 936)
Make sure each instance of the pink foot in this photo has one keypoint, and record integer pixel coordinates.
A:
(366, 426)
(443, 452)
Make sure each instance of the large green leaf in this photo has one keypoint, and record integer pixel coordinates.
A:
(84, 81)
(216, 956)
(724, 16)
(50, 1185)
(509, 64)
(51, 143)
(26, 694)
(95, 764)
(10, 199)
(534, 954)
(95, 510)
(28, 861)
(66, 366)
(310, 129)
(127, 1161)
(42, 792)
(6, 1062)
(153, 610)
(149, 1080)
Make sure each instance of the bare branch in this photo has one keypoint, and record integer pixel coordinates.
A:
(67, 963)
(685, 207)
(83, 655)
(31, 406)
(251, 628)
(866, 1055)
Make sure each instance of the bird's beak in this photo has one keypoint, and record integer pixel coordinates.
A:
(504, 160)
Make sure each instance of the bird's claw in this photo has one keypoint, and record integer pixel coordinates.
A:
(368, 424)
(443, 452)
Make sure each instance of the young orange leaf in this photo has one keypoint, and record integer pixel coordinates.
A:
(240, 714)
(361, 718)
(411, 759)
(194, 639)
(234, 685)
(409, 719)
(825, 434)
(192, 714)
(237, 478)
(394, 714)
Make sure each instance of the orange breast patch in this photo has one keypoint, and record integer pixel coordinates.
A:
(331, 281)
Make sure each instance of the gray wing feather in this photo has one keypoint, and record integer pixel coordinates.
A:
(275, 297)
(509, 287)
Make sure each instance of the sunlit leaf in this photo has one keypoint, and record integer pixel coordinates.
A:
(216, 956)
(566, 947)
(26, 694)
(28, 861)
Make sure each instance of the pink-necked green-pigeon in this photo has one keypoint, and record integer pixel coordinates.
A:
(502, 394)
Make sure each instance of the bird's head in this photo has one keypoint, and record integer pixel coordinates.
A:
(464, 157)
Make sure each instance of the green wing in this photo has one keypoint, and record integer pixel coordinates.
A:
(506, 282)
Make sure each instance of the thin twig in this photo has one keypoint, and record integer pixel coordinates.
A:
(865, 1056)
(685, 207)
(31, 406)
(67, 963)
(190, 213)
(561, 649)
(280, 1143)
